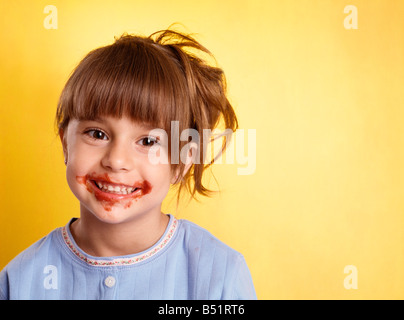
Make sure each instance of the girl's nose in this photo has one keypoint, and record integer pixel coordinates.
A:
(117, 157)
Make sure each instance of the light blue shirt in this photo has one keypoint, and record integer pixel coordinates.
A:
(186, 263)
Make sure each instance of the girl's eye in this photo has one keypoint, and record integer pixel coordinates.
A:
(97, 134)
(148, 141)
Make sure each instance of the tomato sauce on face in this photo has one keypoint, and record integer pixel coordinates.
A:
(108, 199)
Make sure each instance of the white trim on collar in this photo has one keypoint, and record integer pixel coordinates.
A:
(120, 261)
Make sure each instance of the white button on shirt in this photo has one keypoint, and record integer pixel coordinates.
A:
(110, 281)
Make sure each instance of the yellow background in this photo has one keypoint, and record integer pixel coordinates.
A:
(327, 104)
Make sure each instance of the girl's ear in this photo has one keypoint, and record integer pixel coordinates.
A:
(64, 144)
(175, 176)
(188, 157)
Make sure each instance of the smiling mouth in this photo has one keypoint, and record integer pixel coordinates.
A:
(109, 193)
(113, 188)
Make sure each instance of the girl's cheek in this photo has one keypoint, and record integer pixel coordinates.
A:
(84, 156)
(158, 175)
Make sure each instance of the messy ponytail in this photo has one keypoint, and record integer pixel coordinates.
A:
(207, 97)
(154, 80)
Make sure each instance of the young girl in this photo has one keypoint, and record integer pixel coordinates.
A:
(123, 246)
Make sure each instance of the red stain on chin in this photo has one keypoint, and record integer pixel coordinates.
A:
(108, 200)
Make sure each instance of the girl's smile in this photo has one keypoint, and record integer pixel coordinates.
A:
(109, 193)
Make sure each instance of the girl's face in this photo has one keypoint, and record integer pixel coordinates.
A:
(109, 171)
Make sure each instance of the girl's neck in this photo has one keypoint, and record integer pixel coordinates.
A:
(102, 239)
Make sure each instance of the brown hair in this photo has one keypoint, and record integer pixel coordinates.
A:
(154, 80)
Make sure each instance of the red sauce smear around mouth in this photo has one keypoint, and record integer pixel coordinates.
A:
(108, 200)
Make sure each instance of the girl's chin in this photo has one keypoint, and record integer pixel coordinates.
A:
(113, 215)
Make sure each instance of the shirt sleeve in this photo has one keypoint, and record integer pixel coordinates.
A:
(3, 285)
(243, 287)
